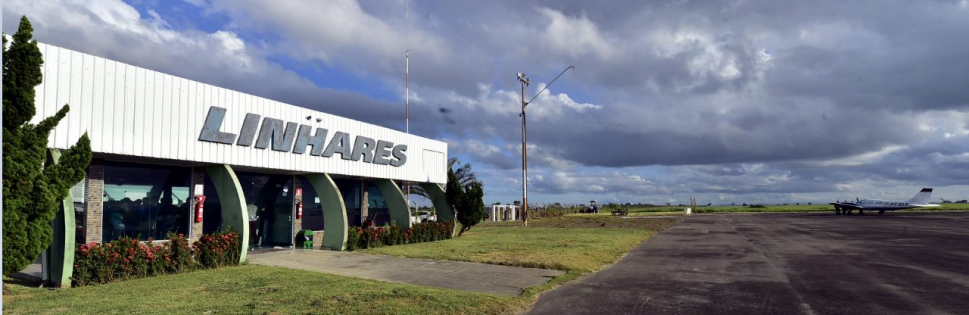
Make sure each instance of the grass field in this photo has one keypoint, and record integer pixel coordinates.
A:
(252, 289)
(587, 245)
(578, 244)
(777, 208)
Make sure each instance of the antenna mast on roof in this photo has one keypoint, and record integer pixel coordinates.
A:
(407, 80)
(407, 64)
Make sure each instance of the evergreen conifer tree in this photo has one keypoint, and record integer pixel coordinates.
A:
(467, 201)
(473, 210)
(454, 193)
(31, 191)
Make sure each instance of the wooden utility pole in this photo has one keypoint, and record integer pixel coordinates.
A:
(525, 82)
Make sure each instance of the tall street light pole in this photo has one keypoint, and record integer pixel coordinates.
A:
(525, 82)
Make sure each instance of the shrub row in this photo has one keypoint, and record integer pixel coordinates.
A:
(389, 235)
(217, 250)
(127, 258)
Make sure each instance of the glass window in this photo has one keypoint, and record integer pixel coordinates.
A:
(312, 207)
(269, 200)
(145, 201)
(212, 216)
(376, 205)
(78, 191)
(350, 190)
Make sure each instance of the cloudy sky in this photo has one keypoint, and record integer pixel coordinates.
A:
(755, 101)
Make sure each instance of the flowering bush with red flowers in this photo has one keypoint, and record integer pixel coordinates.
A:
(366, 237)
(128, 258)
(217, 250)
(181, 257)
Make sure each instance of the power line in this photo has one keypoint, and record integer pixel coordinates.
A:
(549, 84)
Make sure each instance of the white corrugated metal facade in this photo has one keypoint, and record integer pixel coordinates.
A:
(132, 111)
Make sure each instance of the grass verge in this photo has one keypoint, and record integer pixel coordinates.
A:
(548, 248)
(777, 208)
(576, 244)
(252, 289)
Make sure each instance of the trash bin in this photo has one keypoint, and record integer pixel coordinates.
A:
(305, 239)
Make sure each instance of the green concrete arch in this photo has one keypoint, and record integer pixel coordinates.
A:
(233, 202)
(396, 202)
(334, 211)
(59, 259)
(442, 209)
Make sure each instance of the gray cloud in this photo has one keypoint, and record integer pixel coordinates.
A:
(823, 97)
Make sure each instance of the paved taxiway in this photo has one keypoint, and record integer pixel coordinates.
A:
(897, 263)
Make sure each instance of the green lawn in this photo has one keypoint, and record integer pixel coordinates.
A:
(601, 220)
(549, 248)
(778, 208)
(252, 289)
(656, 213)
(577, 244)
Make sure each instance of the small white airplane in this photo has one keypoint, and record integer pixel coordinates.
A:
(920, 200)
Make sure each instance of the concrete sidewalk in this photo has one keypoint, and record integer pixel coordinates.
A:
(466, 276)
(33, 273)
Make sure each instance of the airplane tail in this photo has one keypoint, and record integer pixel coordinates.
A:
(922, 198)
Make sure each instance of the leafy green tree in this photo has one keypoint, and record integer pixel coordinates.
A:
(467, 201)
(465, 176)
(473, 210)
(31, 191)
(454, 192)
(463, 172)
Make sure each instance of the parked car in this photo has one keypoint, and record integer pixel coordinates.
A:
(421, 216)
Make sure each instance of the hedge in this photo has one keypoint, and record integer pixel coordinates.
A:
(127, 258)
(389, 235)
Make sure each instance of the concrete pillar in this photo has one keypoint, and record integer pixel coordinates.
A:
(297, 199)
(233, 200)
(59, 259)
(94, 202)
(334, 211)
(198, 182)
(365, 204)
(318, 239)
(396, 202)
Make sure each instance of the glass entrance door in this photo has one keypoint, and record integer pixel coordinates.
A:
(269, 200)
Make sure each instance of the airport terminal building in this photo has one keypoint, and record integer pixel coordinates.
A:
(175, 155)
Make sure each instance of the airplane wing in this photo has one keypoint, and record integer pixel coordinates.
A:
(847, 205)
